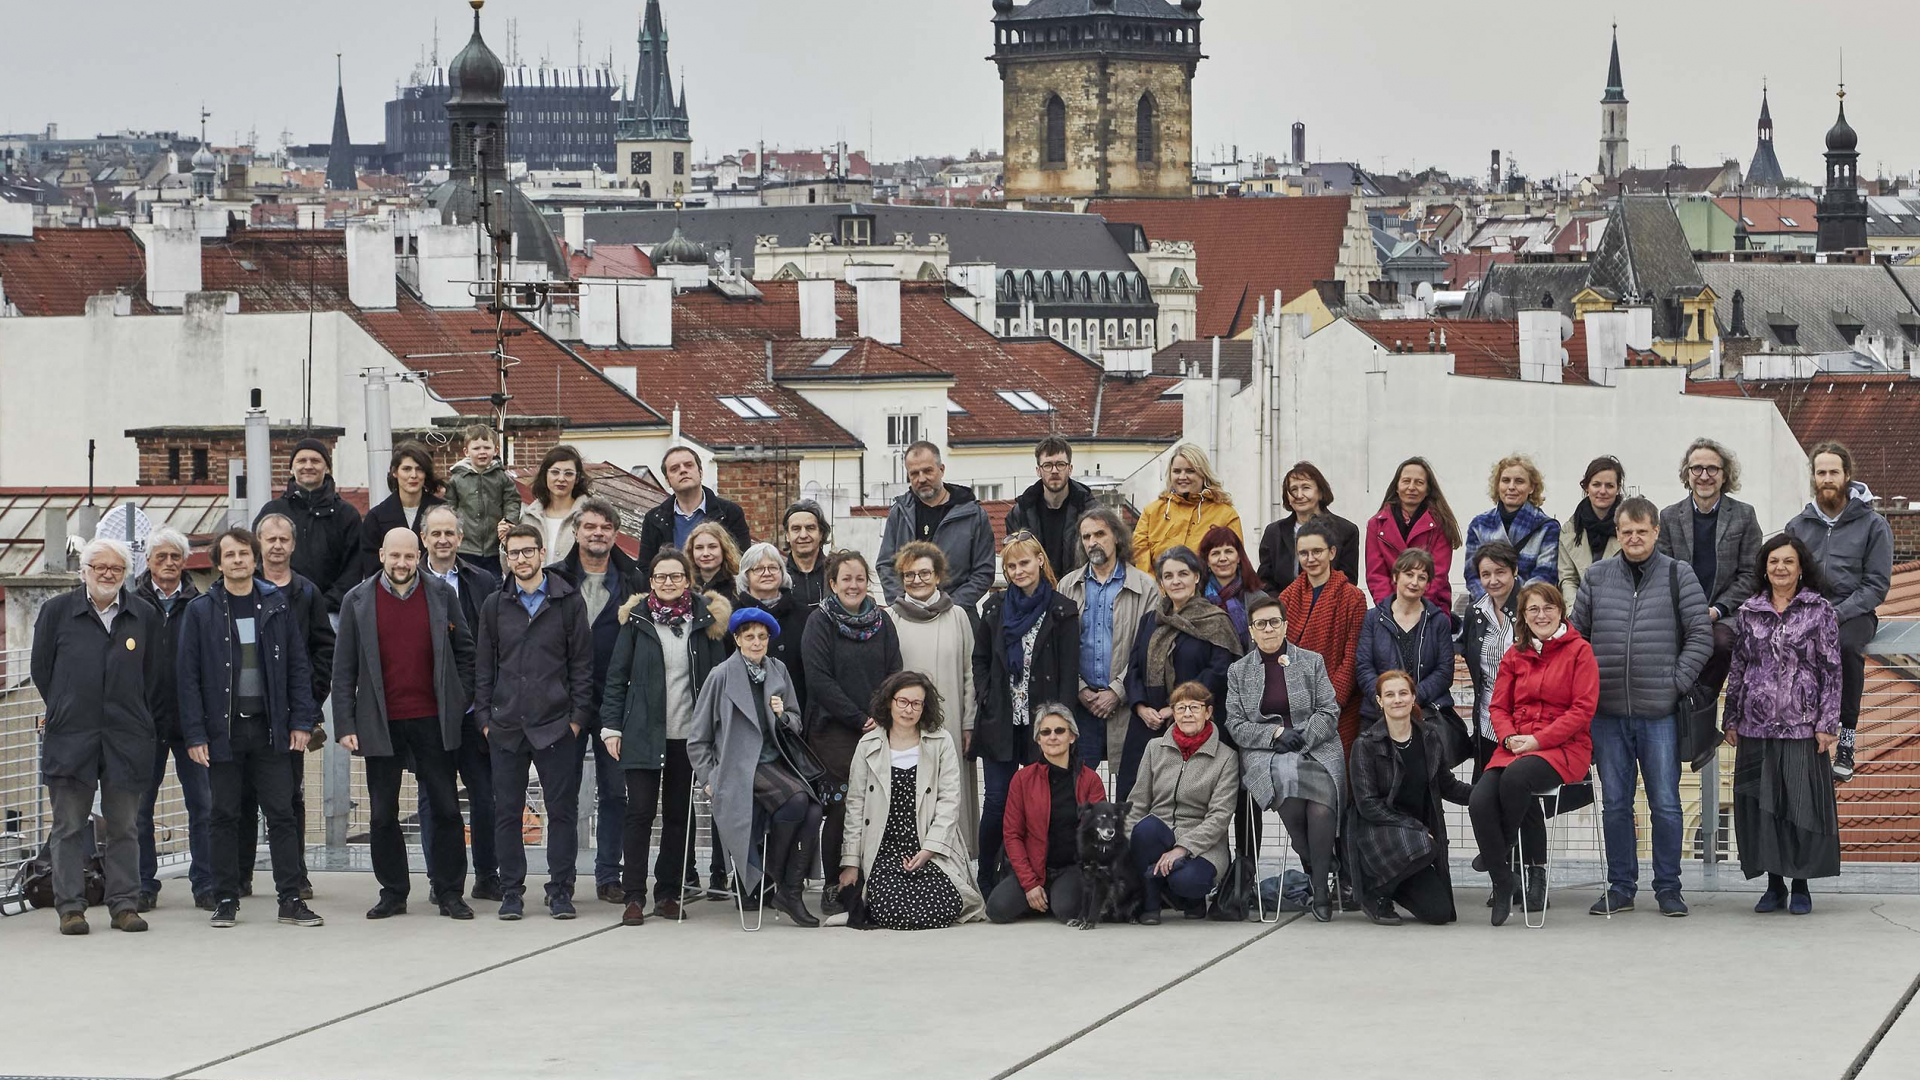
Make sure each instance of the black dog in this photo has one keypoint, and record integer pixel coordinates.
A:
(1106, 867)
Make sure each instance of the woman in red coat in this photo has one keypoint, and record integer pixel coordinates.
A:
(1542, 713)
(1413, 514)
(1327, 612)
(1041, 826)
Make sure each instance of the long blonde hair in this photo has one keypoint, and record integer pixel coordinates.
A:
(729, 570)
(1197, 458)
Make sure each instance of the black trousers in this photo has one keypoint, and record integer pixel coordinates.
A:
(1855, 633)
(474, 765)
(250, 819)
(416, 745)
(1426, 897)
(559, 789)
(252, 758)
(1065, 888)
(1505, 798)
(1533, 827)
(646, 790)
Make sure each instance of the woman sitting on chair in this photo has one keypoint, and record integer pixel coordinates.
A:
(1181, 807)
(915, 864)
(747, 771)
(1396, 830)
(1283, 715)
(1542, 711)
(1042, 823)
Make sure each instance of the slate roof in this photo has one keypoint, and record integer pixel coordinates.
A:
(1644, 252)
(1236, 358)
(1127, 9)
(1891, 216)
(1010, 239)
(1808, 295)
(1506, 288)
(55, 272)
(1245, 248)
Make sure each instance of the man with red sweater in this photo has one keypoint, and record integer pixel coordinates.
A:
(402, 676)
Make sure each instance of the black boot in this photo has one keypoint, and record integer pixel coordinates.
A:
(1322, 906)
(789, 896)
(1503, 885)
(1536, 896)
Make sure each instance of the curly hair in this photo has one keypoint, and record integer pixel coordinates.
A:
(1729, 464)
(1539, 493)
(932, 717)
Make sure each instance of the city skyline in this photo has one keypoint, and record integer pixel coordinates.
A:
(1369, 92)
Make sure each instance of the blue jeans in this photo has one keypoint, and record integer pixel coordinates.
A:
(1628, 749)
(1192, 876)
(197, 793)
(1093, 735)
(993, 816)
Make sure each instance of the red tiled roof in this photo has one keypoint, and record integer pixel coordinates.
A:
(1877, 416)
(55, 272)
(698, 370)
(1903, 598)
(279, 269)
(1880, 807)
(609, 261)
(1766, 214)
(547, 381)
(1129, 408)
(1246, 248)
(1481, 348)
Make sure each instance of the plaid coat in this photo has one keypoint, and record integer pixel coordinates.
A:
(1534, 535)
(1384, 845)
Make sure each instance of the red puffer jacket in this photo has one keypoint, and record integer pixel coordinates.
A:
(1030, 810)
(1550, 695)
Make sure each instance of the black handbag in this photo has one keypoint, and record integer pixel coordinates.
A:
(1455, 737)
(806, 764)
(1697, 714)
(1235, 895)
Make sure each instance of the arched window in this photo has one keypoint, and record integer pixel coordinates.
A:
(1056, 127)
(646, 189)
(1145, 142)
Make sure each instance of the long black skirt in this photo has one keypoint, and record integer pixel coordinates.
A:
(1783, 809)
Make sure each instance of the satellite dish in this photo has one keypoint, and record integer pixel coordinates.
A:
(1566, 328)
(1424, 292)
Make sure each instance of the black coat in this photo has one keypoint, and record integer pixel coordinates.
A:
(809, 588)
(1055, 675)
(656, 529)
(533, 676)
(310, 611)
(635, 702)
(385, 517)
(206, 669)
(101, 688)
(842, 675)
(166, 712)
(629, 580)
(1385, 845)
(785, 648)
(326, 537)
(1278, 567)
(1194, 659)
(476, 584)
(1025, 514)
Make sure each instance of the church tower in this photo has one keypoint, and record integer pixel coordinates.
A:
(1764, 172)
(1842, 213)
(1613, 118)
(477, 107)
(654, 140)
(1097, 97)
(340, 174)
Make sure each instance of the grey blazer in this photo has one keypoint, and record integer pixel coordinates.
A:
(360, 692)
(1736, 548)
(1316, 715)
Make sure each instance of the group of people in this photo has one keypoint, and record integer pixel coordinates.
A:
(843, 730)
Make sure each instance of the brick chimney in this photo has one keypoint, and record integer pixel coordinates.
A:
(763, 482)
(175, 456)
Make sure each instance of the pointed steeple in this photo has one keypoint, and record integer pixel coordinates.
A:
(1764, 170)
(1616, 88)
(651, 111)
(340, 175)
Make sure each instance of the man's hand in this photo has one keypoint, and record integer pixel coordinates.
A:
(198, 754)
(1104, 703)
(352, 742)
(298, 740)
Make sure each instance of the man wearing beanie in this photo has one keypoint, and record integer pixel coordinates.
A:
(326, 527)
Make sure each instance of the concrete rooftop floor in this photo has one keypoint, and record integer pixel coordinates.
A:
(1724, 993)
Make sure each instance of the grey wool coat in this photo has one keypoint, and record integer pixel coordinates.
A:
(1315, 713)
(1194, 798)
(937, 800)
(724, 747)
(360, 693)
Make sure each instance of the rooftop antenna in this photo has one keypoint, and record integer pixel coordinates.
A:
(436, 44)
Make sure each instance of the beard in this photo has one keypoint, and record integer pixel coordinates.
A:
(1097, 556)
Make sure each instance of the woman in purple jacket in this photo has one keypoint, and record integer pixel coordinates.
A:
(1782, 717)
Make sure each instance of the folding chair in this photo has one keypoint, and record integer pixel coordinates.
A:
(1286, 857)
(1527, 914)
(733, 869)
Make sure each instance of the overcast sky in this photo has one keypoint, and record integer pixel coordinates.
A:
(1393, 83)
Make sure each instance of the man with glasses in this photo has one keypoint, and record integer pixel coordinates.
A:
(1052, 505)
(1719, 536)
(1112, 594)
(533, 698)
(402, 675)
(97, 656)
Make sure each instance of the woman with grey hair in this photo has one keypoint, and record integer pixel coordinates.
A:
(936, 640)
(1042, 817)
(764, 583)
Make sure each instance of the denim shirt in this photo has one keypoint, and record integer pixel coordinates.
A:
(531, 600)
(1096, 627)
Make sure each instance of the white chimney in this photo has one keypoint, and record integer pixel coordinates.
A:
(625, 376)
(311, 216)
(574, 219)
(1607, 344)
(646, 313)
(880, 309)
(371, 265)
(1540, 352)
(599, 313)
(981, 282)
(1640, 327)
(447, 265)
(173, 266)
(818, 322)
(16, 219)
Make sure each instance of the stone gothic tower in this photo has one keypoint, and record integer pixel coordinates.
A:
(1097, 97)
(1613, 118)
(654, 141)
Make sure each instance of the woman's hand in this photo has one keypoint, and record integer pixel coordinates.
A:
(1037, 898)
(1822, 741)
(1522, 744)
(1165, 865)
(1734, 740)
(778, 704)
(612, 743)
(849, 875)
(917, 860)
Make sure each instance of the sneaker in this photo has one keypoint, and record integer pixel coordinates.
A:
(487, 890)
(455, 908)
(147, 902)
(512, 907)
(610, 893)
(1671, 905)
(74, 924)
(225, 914)
(295, 912)
(830, 900)
(130, 922)
(560, 906)
(1800, 903)
(205, 901)
(717, 887)
(1843, 759)
(1382, 913)
(1612, 903)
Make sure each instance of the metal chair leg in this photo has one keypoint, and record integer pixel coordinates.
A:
(1527, 914)
(1259, 895)
(686, 849)
(739, 897)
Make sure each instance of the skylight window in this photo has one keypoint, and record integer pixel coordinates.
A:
(749, 408)
(1025, 401)
(1789, 223)
(831, 356)
(954, 408)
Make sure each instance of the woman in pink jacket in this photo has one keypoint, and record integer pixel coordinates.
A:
(1414, 514)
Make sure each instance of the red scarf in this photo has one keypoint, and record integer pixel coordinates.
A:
(1190, 743)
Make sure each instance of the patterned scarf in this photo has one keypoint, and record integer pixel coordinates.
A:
(1021, 614)
(757, 673)
(854, 626)
(671, 615)
(1198, 619)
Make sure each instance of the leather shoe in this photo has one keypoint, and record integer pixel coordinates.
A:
(667, 908)
(147, 902)
(488, 890)
(387, 908)
(635, 915)
(611, 894)
(1382, 913)
(454, 907)
(129, 921)
(73, 924)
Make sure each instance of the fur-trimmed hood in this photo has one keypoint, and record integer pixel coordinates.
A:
(717, 610)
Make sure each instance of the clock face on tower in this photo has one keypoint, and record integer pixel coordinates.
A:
(640, 162)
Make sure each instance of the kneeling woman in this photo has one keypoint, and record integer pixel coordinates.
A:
(903, 814)
(1042, 825)
(1181, 806)
(1396, 831)
(1283, 714)
(739, 756)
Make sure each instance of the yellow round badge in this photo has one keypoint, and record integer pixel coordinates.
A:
(129, 644)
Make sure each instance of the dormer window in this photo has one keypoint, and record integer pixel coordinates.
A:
(856, 231)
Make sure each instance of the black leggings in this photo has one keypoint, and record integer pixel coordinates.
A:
(1506, 800)
(792, 835)
(1426, 897)
(1310, 825)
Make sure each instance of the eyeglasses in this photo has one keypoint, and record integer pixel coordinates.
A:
(1535, 609)
(917, 575)
(669, 578)
(1023, 534)
(1189, 708)
(106, 570)
(909, 704)
(1269, 624)
(1055, 466)
(1046, 731)
(523, 553)
(766, 568)
(1704, 470)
